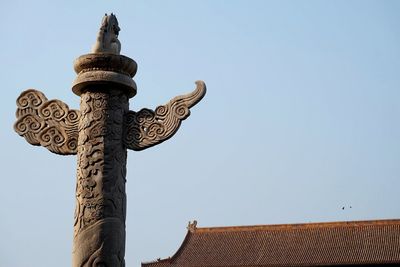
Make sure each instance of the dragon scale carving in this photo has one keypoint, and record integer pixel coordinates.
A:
(100, 192)
(147, 128)
(50, 124)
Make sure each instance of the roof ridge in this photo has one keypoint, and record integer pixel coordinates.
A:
(295, 226)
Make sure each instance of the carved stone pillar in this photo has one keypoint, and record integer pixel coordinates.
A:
(99, 225)
(104, 84)
(100, 134)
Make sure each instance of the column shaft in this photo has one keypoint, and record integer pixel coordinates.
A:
(99, 227)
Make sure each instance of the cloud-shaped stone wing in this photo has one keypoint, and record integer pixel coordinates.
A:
(147, 128)
(50, 124)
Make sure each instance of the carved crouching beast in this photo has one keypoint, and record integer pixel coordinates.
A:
(107, 39)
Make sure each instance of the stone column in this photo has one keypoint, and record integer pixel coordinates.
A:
(99, 223)
(100, 134)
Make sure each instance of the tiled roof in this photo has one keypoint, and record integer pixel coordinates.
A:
(312, 244)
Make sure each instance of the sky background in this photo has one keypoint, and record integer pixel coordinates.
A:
(301, 117)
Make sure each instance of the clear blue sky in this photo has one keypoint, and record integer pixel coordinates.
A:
(301, 117)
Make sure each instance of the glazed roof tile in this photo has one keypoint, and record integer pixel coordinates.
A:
(311, 244)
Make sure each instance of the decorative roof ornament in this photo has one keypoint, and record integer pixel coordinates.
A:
(192, 226)
(107, 38)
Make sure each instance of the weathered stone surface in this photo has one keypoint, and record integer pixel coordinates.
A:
(50, 124)
(100, 134)
(99, 228)
(101, 69)
(148, 128)
(107, 38)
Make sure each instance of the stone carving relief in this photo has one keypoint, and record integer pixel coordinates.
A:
(99, 224)
(147, 128)
(48, 123)
(100, 133)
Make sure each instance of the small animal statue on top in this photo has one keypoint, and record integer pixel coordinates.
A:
(107, 39)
